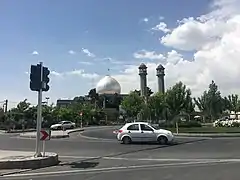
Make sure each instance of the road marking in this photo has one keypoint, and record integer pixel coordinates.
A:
(80, 157)
(118, 168)
(151, 159)
(94, 138)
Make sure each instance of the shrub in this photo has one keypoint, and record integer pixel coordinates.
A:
(235, 124)
(187, 124)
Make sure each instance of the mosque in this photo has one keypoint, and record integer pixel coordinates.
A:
(109, 88)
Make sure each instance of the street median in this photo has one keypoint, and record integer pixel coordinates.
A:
(54, 134)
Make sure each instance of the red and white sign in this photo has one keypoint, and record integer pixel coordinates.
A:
(45, 135)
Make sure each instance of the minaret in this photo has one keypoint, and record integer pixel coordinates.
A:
(143, 79)
(160, 74)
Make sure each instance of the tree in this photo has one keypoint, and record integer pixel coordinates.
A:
(211, 104)
(132, 104)
(149, 91)
(157, 105)
(93, 96)
(179, 100)
(234, 104)
(203, 105)
(216, 105)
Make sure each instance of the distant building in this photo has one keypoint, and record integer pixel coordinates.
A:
(64, 102)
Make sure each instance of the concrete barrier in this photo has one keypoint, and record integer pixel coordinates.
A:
(28, 162)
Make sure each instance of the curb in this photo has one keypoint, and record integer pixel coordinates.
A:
(50, 160)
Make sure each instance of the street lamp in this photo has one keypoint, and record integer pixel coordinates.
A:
(47, 98)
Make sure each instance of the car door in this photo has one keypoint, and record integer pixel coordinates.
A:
(66, 124)
(147, 133)
(134, 132)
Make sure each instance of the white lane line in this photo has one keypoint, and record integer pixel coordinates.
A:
(94, 138)
(109, 169)
(80, 157)
(152, 159)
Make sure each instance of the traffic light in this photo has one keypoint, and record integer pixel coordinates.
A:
(35, 77)
(45, 79)
(36, 82)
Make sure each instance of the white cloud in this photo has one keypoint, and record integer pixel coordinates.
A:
(54, 73)
(77, 72)
(215, 39)
(192, 34)
(108, 60)
(114, 61)
(85, 63)
(35, 53)
(143, 54)
(145, 19)
(88, 53)
(71, 52)
(161, 18)
(162, 26)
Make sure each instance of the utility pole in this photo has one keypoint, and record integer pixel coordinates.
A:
(5, 106)
(47, 98)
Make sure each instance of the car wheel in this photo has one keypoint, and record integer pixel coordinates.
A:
(126, 140)
(162, 140)
(72, 127)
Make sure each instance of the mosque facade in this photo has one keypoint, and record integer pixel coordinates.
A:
(109, 91)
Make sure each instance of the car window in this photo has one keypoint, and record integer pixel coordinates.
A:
(145, 127)
(134, 127)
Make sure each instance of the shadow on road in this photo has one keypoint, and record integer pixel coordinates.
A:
(81, 164)
(86, 163)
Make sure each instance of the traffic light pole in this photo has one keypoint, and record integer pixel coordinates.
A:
(39, 116)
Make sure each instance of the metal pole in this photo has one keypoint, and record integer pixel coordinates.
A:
(81, 122)
(39, 116)
(44, 146)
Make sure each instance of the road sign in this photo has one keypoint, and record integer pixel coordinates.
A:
(45, 135)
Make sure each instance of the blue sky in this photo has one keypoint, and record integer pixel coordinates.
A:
(107, 28)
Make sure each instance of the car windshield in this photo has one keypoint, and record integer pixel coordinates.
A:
(154, 126)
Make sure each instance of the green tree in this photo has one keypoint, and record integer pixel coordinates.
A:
(132, 104)
(179, 100)
(211, 104)
(20, 114)
(149, 91)
(234, 104)
(216, 105)
(203, 105)
(94, 97)
(157, 106)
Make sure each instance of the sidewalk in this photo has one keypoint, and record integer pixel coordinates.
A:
(26, 160)
(54, 134)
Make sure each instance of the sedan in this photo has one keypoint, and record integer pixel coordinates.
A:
(63, 125)
(143, 132)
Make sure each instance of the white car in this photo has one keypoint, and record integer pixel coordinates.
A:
(143, 132)
(63, 125)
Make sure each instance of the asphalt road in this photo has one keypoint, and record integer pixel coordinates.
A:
(96, 155)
